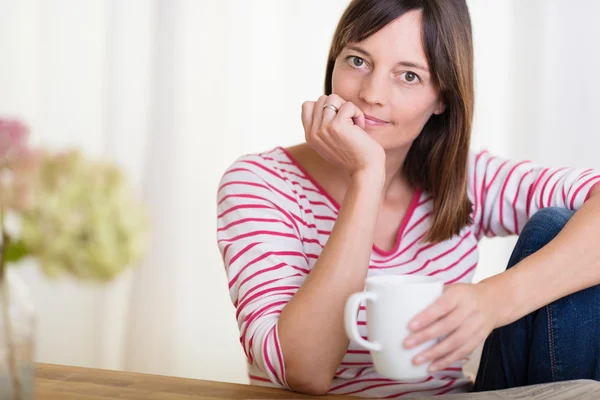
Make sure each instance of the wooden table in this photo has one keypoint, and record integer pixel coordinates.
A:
(61, 382)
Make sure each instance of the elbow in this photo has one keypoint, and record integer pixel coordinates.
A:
(309, 388)
(314, 383)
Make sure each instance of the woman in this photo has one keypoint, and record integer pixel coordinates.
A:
(385, 184)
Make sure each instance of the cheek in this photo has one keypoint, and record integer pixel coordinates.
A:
(344, 84)
(413, 108)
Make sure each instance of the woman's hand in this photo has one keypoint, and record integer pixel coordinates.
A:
(340, 137)
(463, 315)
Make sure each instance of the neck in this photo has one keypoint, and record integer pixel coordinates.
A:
(394, 175)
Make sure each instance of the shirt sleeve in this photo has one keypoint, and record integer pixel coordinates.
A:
(260, 241)
(505, 194)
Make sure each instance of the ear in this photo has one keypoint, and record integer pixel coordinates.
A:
(440, 108)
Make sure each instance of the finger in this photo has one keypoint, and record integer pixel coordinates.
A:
(307, 115)
(318, 115)
(350, 112)
(468, 330)
(450, 344)
(329, 114)
(449, 359)
(460, 353)
(444, 305)
(441, 327)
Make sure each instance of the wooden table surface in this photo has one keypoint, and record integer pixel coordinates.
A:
(61, 382)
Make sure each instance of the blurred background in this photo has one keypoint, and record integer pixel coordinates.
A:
(175, 90)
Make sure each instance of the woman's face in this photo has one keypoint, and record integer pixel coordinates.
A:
(386, 76)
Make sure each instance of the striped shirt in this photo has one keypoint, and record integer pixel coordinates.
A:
(274, 220)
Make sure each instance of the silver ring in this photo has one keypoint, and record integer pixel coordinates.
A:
(332, 107)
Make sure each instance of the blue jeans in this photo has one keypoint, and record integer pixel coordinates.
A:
(558, 342)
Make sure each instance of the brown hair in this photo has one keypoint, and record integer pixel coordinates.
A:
(437, 160)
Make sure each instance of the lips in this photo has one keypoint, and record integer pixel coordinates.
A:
(374, 121)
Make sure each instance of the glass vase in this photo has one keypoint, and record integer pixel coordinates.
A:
(17, 337)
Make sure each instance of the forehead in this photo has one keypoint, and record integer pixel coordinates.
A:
(399, 40)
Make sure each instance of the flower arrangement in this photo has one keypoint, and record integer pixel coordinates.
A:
(74, 216)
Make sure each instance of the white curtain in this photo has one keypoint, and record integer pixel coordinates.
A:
(175, 90)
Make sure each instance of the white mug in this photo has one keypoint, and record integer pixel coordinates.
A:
(392, 302)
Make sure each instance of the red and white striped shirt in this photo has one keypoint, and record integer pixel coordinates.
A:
(274, 219)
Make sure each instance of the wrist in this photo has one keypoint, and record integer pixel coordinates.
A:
(365, 191)
(373, 177)
(500, 296)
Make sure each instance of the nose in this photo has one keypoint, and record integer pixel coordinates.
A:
(374, 88)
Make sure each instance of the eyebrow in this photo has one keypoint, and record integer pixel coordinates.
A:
(403, 63)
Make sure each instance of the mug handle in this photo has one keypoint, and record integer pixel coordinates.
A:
(350, 320)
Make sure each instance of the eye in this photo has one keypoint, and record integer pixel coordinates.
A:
(356, 62)
(411, 77)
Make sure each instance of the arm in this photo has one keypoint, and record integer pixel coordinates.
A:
(551, 269)
(505, 195)
(311, 326)
(290, 320)
(509, 193)
(553, 266)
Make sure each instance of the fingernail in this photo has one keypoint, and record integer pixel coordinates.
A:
(433, 368)
(420, 360)
(415, 324)
(410, 343)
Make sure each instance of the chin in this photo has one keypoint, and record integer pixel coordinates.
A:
(391, 147)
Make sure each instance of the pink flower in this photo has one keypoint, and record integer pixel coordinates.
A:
(23, 169)
(13, 139)
(18, 165)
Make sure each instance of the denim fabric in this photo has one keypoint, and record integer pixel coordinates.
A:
(558, 342)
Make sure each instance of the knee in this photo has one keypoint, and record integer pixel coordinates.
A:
(577, 317)
(544, 225)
